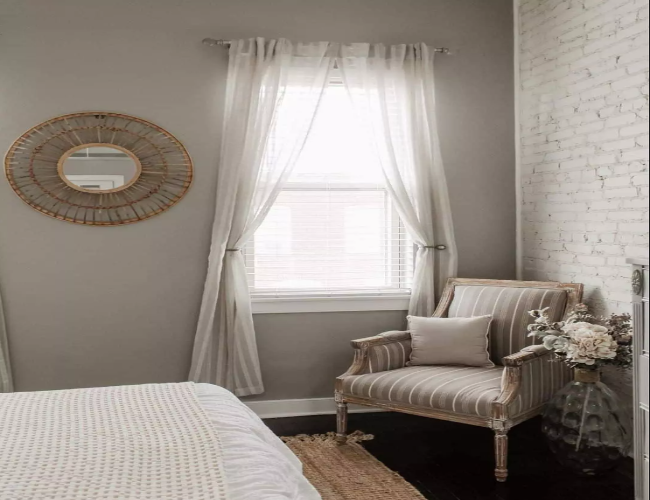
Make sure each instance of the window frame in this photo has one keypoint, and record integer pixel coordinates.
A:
(313, 304)
(295, 301)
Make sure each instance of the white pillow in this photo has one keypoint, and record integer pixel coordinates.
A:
(450, 341)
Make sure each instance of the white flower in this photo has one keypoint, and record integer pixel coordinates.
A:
(583, 327)
(588, 343)
(549, 341)
(557, 344)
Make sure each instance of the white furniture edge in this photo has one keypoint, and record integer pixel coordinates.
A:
(285, 305)
(640, 384)
(282, 408)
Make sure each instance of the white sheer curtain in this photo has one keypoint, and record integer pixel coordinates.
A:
(6, 384)
(393, 90)
(252, 170)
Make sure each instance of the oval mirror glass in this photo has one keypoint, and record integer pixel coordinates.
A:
(99, 168)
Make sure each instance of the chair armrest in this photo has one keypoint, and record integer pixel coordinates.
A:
(526, 355)
(383, 352)
(530, 379)
(382, 339)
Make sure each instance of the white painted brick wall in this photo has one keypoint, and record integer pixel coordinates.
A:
(584, 145)
(584, 142)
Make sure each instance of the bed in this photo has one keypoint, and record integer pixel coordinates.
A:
(160, 441)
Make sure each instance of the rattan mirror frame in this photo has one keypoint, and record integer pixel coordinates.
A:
(32, 169)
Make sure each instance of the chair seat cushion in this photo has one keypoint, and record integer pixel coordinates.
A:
(456, 389)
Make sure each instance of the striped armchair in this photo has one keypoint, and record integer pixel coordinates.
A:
(499, 398)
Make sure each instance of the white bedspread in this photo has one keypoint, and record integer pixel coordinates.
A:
(126, 443)
(257, 465)
(113, 444)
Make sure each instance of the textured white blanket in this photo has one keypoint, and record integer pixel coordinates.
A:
(141, 442)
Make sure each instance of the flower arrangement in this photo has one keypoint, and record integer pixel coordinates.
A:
(586, 341)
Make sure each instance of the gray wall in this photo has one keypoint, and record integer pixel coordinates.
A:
(102, 306)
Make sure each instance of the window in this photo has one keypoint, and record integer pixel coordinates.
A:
(333, 230)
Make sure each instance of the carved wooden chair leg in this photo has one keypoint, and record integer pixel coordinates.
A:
(341, 421)
(501, 454)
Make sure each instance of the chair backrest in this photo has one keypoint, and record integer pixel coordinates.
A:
(509, 303)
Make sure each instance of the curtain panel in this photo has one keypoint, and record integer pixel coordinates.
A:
(392, 88)
(6, 382)
(252, 171)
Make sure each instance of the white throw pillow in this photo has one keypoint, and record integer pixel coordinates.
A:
(450, 341)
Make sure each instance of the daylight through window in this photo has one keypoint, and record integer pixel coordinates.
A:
(333, 229)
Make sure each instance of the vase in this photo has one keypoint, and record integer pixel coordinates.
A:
(585, 425)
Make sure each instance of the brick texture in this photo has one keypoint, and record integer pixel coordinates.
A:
(584, 146)
(584, 142)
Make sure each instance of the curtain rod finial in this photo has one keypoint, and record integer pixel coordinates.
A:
(212, 42)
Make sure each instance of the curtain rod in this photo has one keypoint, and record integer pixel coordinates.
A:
(212, 42)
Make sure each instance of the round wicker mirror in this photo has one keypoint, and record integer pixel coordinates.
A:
(100, 169)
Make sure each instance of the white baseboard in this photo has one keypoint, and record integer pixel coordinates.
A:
(301, 407)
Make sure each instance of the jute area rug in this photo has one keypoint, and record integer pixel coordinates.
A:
(348, 472)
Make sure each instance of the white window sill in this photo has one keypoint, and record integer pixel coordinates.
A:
(288, 305)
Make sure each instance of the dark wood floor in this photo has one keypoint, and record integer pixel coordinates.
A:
(448, 461)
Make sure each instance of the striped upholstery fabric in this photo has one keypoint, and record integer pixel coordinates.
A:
(541, 379)
(389, 356)
(509, 307)
(456, 389)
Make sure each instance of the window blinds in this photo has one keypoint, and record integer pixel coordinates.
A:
(333, 229)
